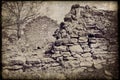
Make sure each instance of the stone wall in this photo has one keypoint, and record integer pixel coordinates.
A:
(86, 39)
(86, 33)
(38, 32)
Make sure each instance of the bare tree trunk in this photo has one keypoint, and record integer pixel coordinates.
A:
(18, 31)
(18, 26)
(14, 10)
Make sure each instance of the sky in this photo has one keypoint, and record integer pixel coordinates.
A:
(58, 9)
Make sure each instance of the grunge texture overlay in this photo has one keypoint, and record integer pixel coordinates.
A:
(59, 40)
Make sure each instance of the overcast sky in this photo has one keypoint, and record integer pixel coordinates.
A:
(58, 9)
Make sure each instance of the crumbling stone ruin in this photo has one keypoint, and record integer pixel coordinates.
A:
(83, 39)
(85, 47)
(83, 36)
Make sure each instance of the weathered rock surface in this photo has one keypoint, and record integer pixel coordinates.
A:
(76, 48)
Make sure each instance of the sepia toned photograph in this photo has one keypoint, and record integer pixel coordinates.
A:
(60, 40)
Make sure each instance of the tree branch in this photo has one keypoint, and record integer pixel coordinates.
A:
(10, 9)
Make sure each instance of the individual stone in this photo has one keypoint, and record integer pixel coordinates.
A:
(97, 45)
(78, 70)
(33, 61)
(17, 60)
(80, 20)
(65, 58)
(94, 31)
(82, 59)
(57, 52)
(57, 34)
(74, 30)
(108, 73)
(66, 54)
(56, 55)
(28, 66)
(47, 60)
(90, 69)
(55, 64)
(15, 67)
(73, 11)
(86, 64)
(82, 33)
(86, 49)
(98, 35)
(89, 21)
(73, 53)
(62, 26)
(102, 48)
(74, 40)
(75, 62)
(59, 59)
(99, 51)
(84, 45)
(74, 17)
(69, 30)
(62, 42)
(47, 65)
(81, 69)
(74, 35)
(97, 55)
(98, 40)
(70, 58)
(77, 55)
(92, 40)
(76, 48)
(97, 61)
(63, 33)
(68, 18)
(79, 27)
(89, 59)
(66, 65)
(101, 55)
(74, 65)
(74, 7)
(85, 55)
(60, 48)
(83, 39)
(98, 66)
